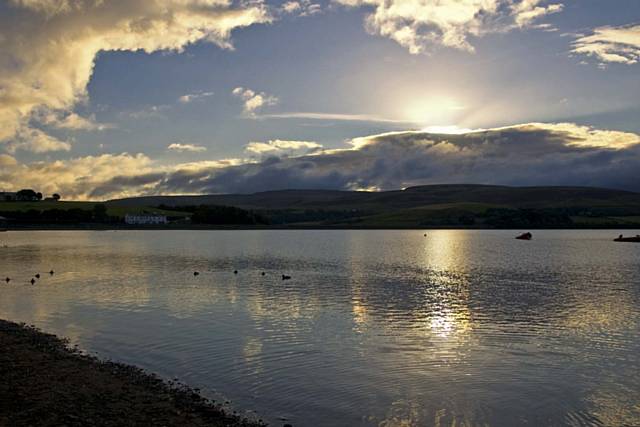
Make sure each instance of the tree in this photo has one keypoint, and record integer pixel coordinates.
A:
(39, 196)
(100, 213)
(55, 196)
(27, 194)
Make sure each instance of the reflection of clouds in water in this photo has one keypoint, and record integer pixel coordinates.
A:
(281, 303)
(600, 311)
(401, 414)
(414, 413)
(252, 352)
(194, 296)
(431, 298)
(444, 325)
(615, 405)
(359, 311)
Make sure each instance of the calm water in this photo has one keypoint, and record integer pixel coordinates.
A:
(384, 328)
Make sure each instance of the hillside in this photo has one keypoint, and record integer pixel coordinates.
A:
(409, 198)
(425, 206)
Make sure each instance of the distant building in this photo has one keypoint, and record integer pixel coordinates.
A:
(145, 219)
(6, 196)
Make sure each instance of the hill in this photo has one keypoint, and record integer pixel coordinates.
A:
(424, 206)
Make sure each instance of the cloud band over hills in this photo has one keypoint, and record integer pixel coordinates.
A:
(528, 154)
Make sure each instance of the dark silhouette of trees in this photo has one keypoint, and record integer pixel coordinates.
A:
(219, 215)
(99, 213)
(27, 194)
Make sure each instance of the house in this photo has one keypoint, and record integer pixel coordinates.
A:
(145, 219)
(6, 196)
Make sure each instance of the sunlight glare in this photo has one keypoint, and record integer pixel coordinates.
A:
(441, 111)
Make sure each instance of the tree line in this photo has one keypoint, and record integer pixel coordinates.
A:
(30, 195)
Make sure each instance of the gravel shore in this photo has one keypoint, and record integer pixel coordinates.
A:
(46, 383)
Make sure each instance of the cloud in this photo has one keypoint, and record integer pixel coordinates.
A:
(70, 121)
(527, 154)
(421, 25)
(7, 160)
(152, 111)
(279, 147)
(332, 116)
(186, 147)
(301, 8)
(611, 44)
(49, 46)
(530, 154)
(75, 178)
(36, 141)
(253, 101)
(185, 99)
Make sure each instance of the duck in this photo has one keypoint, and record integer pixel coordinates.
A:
(285, 277)
(196, 273)
(33, 281)
(51, 272)
(37, 275)
(8, 279)
(235, 271)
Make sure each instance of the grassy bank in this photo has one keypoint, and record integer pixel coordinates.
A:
(46, 383)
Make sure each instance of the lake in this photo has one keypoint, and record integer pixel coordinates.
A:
(375, 328)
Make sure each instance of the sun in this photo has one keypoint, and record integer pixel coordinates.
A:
(434, 111)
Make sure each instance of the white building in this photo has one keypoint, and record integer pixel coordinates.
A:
(145, 219)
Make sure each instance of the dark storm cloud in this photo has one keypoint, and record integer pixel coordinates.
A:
(535, 154)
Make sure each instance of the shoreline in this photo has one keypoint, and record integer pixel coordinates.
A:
(46, 382)
(113, 227)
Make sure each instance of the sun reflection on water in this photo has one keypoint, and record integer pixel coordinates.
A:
(451, 328)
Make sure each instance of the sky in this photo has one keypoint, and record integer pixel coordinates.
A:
(102, 99)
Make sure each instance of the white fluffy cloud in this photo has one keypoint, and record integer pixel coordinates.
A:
(190, 97)
(419, 25)
(253, 101)
(71, 121)
(279, 146)
(74, 178)
(611, 44)
(36, 141)
(301, 8)
(186, 147)
(49, 46)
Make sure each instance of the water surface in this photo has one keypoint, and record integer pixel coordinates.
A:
(375, 328)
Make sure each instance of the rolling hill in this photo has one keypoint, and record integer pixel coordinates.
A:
(425, 206)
